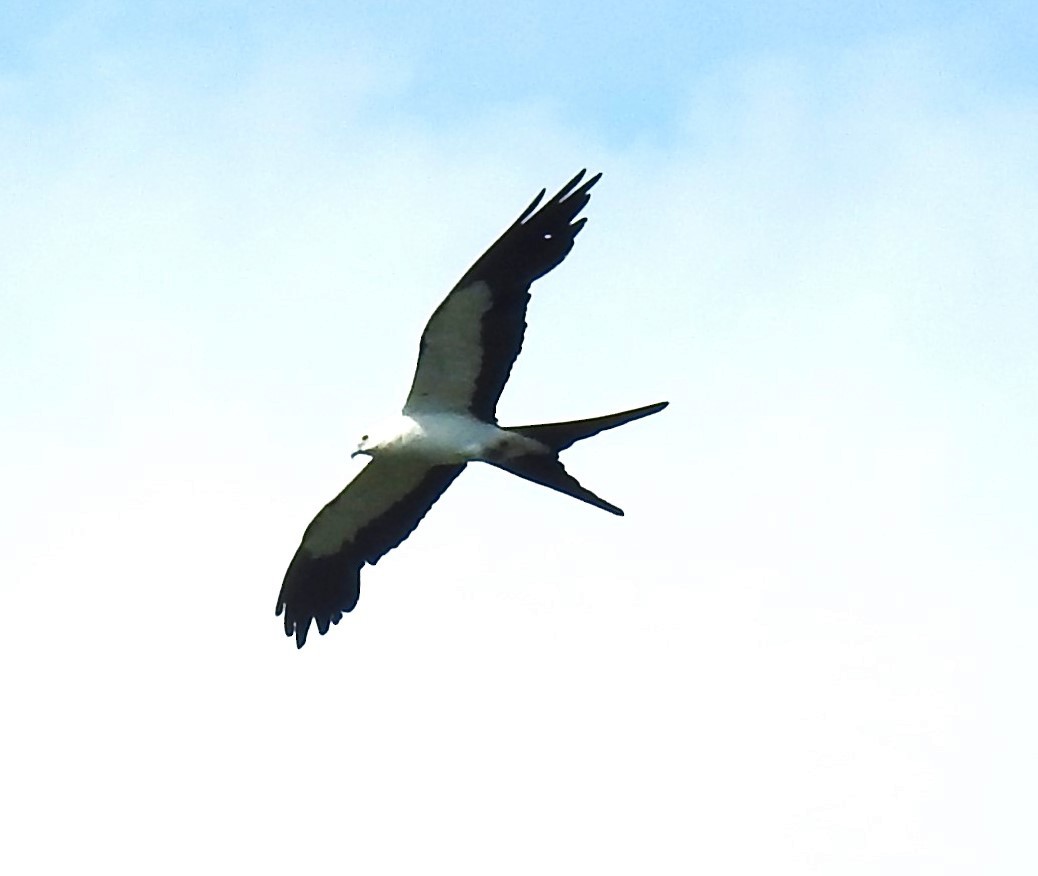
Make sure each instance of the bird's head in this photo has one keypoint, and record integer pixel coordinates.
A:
(364, 447)
(384, 436)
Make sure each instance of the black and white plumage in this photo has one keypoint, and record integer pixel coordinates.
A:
(449, 419)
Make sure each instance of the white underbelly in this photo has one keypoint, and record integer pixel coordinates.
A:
(457, 438)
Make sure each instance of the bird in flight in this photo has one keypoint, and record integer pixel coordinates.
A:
(464, 359)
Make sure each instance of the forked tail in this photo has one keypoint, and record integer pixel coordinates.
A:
(547, 470)
(559, 436)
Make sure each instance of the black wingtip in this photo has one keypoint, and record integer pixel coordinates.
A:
(528, 212)
(572, 184)
(575, 188)
(317, 590)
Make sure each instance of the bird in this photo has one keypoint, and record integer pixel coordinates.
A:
(448, 420)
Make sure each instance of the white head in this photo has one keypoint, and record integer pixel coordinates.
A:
(364, 446)
(384, 436)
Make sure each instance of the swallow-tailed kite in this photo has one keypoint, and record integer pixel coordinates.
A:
(448, 420)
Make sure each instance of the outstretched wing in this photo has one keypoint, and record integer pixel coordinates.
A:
(378, 509)
(474, 336)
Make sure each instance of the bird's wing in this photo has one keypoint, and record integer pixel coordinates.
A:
(474, 336)
(378, 509)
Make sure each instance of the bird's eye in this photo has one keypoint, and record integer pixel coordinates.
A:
(363, 437)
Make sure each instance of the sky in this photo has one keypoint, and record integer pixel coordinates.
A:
(808, 646)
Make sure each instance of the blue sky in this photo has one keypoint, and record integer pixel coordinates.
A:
(807, 647)
(615, 70)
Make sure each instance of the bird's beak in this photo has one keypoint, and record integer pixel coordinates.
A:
(355, 454)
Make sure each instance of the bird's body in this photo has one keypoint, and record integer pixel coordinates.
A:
(446, 437)
(449, 420)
